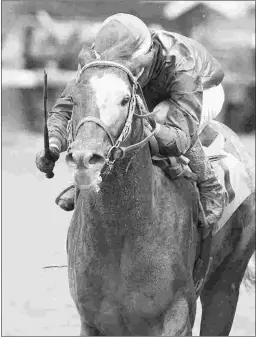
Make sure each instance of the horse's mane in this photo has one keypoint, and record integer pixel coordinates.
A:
(118, 52)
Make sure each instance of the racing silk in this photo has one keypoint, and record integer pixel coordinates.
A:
(182, 68)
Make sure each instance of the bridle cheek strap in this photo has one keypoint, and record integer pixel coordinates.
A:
(128, 123)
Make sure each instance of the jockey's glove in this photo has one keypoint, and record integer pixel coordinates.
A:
(45, 162)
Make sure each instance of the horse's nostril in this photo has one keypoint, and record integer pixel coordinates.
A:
(79, 158)
(70, 159)
(96, 159)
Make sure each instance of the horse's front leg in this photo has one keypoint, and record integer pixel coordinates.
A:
(87, 330)
(179, 318)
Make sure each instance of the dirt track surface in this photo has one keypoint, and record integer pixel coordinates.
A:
(36, 301)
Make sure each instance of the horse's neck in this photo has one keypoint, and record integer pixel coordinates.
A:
(130, 186)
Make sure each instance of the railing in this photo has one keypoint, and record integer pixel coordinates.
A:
(23, 78)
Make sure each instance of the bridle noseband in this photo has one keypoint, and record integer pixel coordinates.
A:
(117, 151)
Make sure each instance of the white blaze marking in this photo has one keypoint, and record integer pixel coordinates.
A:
(109, 91)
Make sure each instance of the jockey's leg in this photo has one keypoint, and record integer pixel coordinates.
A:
(66, 199)
(212, 194)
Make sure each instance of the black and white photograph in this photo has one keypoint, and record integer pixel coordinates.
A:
(128, 168)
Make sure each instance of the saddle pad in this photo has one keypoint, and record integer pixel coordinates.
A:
(238, 177)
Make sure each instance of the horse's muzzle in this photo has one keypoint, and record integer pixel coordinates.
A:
(84, 159)
(87, 167)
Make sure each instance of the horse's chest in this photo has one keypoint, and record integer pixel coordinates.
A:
(129, 292)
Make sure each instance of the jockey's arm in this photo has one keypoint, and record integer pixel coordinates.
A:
(178, 117)
(58, 119)
(215, 73)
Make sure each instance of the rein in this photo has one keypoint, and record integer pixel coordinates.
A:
(117, 151)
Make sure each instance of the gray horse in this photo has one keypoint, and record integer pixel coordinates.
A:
(133, 238)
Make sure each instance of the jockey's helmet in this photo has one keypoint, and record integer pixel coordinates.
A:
(120, 28)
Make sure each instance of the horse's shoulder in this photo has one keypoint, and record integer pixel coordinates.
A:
(172, 190)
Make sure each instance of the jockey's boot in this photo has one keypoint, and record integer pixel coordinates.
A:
(212, 194)
(66, 199)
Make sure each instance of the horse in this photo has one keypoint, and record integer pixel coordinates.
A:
(133, 239)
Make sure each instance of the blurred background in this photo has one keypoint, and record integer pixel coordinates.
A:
(38, 34)
(49, 34)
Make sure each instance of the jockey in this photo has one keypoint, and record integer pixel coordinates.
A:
(182, 85)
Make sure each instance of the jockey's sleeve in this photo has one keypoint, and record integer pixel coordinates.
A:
(213, 73)
(59, 116)
(182, 115)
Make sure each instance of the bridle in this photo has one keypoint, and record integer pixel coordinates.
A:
(117, 151)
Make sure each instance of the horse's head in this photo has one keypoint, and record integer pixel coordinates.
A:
(104, 118)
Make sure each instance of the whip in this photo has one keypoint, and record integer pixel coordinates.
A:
(49, 174)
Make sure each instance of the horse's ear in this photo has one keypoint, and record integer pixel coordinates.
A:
(85, 56)
(139, 63)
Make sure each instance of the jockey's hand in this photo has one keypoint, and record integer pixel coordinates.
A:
(45, 163)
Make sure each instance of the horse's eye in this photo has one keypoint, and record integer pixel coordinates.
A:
(125, 101)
